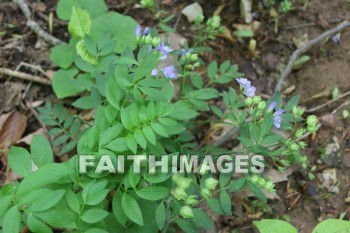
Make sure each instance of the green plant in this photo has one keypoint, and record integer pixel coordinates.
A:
(116, 73)
(326, 226)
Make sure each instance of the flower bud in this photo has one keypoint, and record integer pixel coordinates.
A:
(311, 120)
(312, 129)
(261, 105)
(194, 57)
(156, 41)
(302, 144)
(262, 182)
(293, 147)
(248, 101)
(195, 65)
(211, 183)
(205, 193)
(191, 200)
(179, 194)
(256, 99)
(147, 3)
(269, 186)
(216, 21)
(295, 110)
(183, 182)
(186, 212)
(255, 179)
(299, 133)
(148, 39)
(199, 19)
(188, 56)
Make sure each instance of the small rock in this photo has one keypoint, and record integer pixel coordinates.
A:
(192, 11)
(270, 61)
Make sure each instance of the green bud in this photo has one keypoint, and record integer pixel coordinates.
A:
(311, 120)
(179, 194)
(199, 19)
(302, 144)
(196, 64)
(191, 200)
(261, 105)
(216, 21)
(269, 186)
(299, 133)
(255, 179)
(312, 129)
(186, 212)
(205, 193)
(256, 99)
(148, 39)
(176, 177)
(183, 182)
(147, 3)
(194, 57)
(211, 183)
(295, 110)
(262, 182)
(188, 56)
(248, 101)
(156, 41)
(204, 168)
(293, 147)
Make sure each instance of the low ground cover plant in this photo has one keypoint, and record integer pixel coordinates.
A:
(141, 107)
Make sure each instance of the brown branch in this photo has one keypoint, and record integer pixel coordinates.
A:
(295, 55)
(34, 26)
(314, 109)
(24, 76)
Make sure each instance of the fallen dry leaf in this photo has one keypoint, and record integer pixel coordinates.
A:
(12, 129)
(29, 138)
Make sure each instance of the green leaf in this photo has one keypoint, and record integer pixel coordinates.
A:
(95, 8)
(225, 201)
(36, 225)
(153, 193)
(117, 207)
(187, 225)
(57, 217)
(131, 209)
(278, 226)
(224, 179)
(80, 23)
(201, 219)
(5, 204)
(161, 215)
(149, 134)
(146, 66)
(72, 201)
(11, 220)
(140, 138)
(257, 191)
(126, 61)
(62, 55)
(85, 102)
(119, 26)
(110, 134)
(84, 53)
(41, 151)
(113, 93)
(118, 145)
(330, 226)
(61, 83)
(125, 118)
(131, 143)
(244, 33)
(48, 199)
(96, 230)
(158, 128)
(94, 215)
(183, 112)
(212, 69)
(292, 103)
(237, 185)
(166, 28)
(46, 174)
(20, 161)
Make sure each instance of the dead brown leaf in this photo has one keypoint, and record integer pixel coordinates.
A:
(12, 129)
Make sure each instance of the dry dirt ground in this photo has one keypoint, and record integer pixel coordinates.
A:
(303, 202)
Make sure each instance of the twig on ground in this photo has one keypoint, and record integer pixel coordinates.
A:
(34, 26)
(295, 55)
(232, 133)
(299, 26)
(25, 76)
(314, 109)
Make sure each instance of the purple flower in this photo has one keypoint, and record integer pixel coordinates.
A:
(154, 72)
(279, 112)
(336, 39)
(138, 31)
(245, 83)
(272, 105)
(169, 72)
(277, 121)
(164, 50)
(146, 31)
(183, 52)
(250, 91)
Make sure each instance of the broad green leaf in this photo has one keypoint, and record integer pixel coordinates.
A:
(36, 225)
(57, 217)
(215, 205)
(96, 230)
(117, 207)
(20, 161)
(80, 22)
(95, 8)
(201, 219)
(125, 118)
(84, 102)
(237, 184)
(225, 201)
(158, 128)
(161, 215)
(117, 145)
(113, 93)
(84, 53)
(62, 55)
(61, 83)
(212, 69)
(331, 226)
(292, 103)
(94, 215)
(46, 174)
(187, 226)
(257, 191)
(149, 134)
(110, 134)
(51, 198)
(72, 201)
(278, 226)
(131, 209)
(11, 220)
(41, 151)
(140, 138)
(5, 204)
(131, 143)
(153, 193)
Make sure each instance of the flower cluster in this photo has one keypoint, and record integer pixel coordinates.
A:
(264, 183)
(311, 122)
(190, 60)
(248, 89)
(277, 116)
